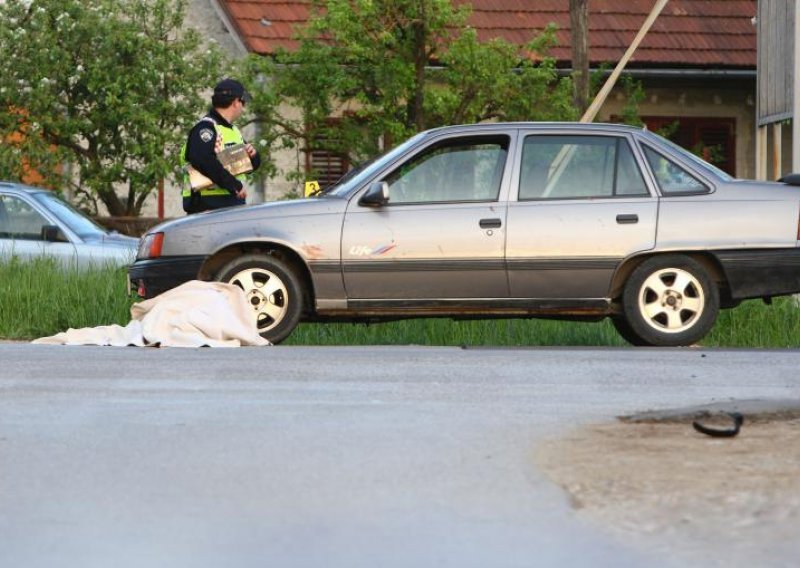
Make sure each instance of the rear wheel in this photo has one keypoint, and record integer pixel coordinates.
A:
(272, 290)
(668, 300)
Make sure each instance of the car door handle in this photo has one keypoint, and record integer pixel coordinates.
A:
(627, 219)
(490, 223)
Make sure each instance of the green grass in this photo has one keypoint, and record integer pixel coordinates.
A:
(755, 324)
(39, 299)
(752, 324)
(441, 331)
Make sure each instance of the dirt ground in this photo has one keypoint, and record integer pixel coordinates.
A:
(693, 499)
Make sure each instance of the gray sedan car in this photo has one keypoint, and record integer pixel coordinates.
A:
(35, 222)
(571, 221)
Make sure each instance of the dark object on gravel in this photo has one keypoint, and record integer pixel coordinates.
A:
(738, 420)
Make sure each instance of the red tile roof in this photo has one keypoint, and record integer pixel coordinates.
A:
(688, 33)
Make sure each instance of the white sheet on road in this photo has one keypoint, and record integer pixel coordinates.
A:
(195, 314)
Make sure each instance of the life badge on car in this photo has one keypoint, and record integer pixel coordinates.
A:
(366, 250)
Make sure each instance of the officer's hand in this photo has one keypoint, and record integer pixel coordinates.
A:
(241, 194)
(250, 150)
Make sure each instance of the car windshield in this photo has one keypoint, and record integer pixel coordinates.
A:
(365, 171)
(696, 160)
(78, 223)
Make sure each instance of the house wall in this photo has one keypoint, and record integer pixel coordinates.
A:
(205, 17)
(786, 151)
(681, 96)
(734, 99)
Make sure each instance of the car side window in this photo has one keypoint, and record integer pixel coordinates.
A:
(568, 167)
(672, 179)
(460, 170)
(19, 220)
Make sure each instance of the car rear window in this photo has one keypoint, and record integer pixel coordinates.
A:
(569, 167)
(671, 177)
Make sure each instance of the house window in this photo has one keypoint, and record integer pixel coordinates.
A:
(713, 139)
(324, 164)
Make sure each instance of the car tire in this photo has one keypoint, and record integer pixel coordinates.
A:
(668, 301)
(272, 289)
(624, 330)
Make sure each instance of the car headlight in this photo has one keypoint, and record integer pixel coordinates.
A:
(150, 245)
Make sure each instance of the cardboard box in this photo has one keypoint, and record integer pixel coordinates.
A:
(233, 158)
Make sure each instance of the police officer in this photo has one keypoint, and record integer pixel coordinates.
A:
(212, 133)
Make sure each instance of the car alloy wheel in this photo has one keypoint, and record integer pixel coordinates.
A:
(668, 300)
(266, 294)
(671, 300)
(272, 290)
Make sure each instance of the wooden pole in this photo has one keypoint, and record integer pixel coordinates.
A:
(761, 153)
(593, 109)
(796, 92)
(777, 150)
(579, 31)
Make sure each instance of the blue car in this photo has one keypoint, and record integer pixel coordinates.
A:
(35, 222)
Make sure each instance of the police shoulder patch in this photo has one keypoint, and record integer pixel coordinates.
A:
(206, 135)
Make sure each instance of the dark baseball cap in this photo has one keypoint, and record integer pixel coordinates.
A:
(231, 88)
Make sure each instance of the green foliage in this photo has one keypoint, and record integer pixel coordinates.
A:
(487, 81)
(40, 298)
(368, 63)
(634, 94)
(714, 154)
(258, 73)
(440, 331)
(632, 90)
(669, 130)
(109, 87)
(751, 325)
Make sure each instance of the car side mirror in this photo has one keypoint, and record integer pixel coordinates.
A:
(377, 195)
(52, 234)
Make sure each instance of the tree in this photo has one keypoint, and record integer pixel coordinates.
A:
(99, 95)
(579, 24)
(386, 69)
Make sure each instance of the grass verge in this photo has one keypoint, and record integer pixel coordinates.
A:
(39, 298)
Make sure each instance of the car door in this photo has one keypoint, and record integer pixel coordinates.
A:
(21, 234)
(442, 233)
(582, 206)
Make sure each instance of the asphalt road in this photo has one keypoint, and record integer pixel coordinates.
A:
(342, 457)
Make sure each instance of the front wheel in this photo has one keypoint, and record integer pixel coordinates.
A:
(668, 300)
(272, 290)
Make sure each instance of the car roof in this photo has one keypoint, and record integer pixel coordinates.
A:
(20, 188)
(580, 126)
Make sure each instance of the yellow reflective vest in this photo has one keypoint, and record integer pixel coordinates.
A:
(230, 136)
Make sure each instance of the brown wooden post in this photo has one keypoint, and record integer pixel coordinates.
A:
(591, 112)
(777, 150)
(579, 25)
